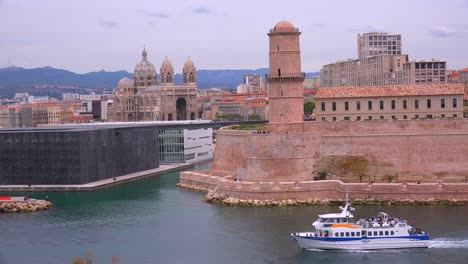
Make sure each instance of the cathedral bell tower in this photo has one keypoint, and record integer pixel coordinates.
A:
(285, 81)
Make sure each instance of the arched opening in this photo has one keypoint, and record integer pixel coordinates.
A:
(191, 78)
(169, 78)
(130, 117)
(169, 117)
(200, 115)
(192, 116)
(181, 107)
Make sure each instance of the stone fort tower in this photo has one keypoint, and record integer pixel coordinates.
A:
(285, 81)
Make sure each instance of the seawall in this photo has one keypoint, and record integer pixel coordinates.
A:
(327, 190)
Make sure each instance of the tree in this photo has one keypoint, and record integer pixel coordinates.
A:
(309, 108)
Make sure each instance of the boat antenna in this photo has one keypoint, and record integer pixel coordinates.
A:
(346, 197)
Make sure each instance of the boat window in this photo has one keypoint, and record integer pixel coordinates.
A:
(381, 233)
(358, 233)
(342, 234)
(402, 225)
(386, 233)
(369, 233)
(347, 234)
(352, 233)
(375, 233)
(393, 233)
(322, 220)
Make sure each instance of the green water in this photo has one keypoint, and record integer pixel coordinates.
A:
(152, 221)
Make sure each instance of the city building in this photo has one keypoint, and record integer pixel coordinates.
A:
(23, 98)
(185, 145)
(425, 101)
(464, 76)
(75, 154)
(378, 43)
(370, 71)
(239, 106)
(381, 64)
(416, 72)
(253, 83)
(15, 116)
(145, 98)
(70, 96)
(312, 83)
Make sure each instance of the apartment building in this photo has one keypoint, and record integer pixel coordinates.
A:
(389, 102)
(378, 43)
(417, 72)
(381, 63)
(371, 71)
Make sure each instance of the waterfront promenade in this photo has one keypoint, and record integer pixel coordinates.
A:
(97, 184)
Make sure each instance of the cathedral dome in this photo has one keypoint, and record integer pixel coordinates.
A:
(125, 82)
(284, 26)
(144, 69)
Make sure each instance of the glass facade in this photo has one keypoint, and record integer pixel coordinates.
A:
(171, 146)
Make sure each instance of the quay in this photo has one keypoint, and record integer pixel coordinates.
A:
(91, 186)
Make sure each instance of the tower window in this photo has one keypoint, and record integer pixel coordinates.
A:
(279, 72)
(322, 104)
(278, 47)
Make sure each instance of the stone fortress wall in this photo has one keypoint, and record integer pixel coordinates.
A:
(389, 160)
(366, 151)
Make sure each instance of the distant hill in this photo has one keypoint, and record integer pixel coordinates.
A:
(12, 78)
(16, 77)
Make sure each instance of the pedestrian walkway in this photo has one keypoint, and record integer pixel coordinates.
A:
(97, 184)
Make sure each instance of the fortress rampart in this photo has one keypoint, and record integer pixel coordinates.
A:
(382, 160)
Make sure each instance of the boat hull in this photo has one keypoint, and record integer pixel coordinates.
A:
(362, 243)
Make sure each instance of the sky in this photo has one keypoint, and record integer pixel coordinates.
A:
(91, 35)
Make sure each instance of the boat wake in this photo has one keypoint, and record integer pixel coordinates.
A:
(315, 249)
(448, 243)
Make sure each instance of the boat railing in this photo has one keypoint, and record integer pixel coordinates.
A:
(380, 224)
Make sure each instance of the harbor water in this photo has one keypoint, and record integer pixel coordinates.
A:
(153, 221)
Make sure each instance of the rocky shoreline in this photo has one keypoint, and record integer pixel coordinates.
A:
(213, 197)
(31, 205)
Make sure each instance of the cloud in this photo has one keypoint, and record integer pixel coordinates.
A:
(365, 28)
(108, 23)
(151, 14)
(319, 25)
(201, 10)
(442, 32)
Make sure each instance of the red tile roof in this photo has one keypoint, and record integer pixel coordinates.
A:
(390, 91)
(464, 70)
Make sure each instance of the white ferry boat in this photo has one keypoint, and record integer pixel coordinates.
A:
(340, 231)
